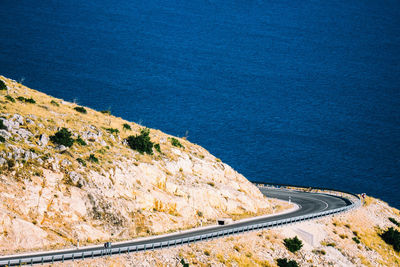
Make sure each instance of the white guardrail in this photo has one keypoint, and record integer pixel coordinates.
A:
(101, 251)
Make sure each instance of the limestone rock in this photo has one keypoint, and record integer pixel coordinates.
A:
(43, 140)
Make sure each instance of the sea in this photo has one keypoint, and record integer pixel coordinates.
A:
(301, 92)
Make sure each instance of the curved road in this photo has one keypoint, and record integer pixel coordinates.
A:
(308, 203)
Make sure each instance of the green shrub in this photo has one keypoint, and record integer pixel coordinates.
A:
(26, 100)
(142, 142)
(175, 142)
(80, 141)
(293, 244)
(81, 161)
(108, 112)
(2, 139)
(81, 109)
(393, 220)
(30, 100)
(10, 98)
(127, 126)
(54, 103)
(3, 86)
(392, 237)
(62, 137)
(112, 130)
(157, 147)
(286, 263)
(2, 126)
(355, 239)
(93, 158)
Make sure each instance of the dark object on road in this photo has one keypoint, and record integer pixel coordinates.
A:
(107, 245)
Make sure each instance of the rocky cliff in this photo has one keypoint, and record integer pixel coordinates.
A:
(97, 187)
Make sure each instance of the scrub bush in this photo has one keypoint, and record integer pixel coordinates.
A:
(175, 142)
(392, 237)
(142, 142)
(3, 86)
(293, 244)
(62, 137)
(286, 263)
(10, 98)
(93, 158)
(81, 110)
(127, 126)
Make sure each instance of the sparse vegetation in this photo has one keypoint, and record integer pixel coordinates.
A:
(93, 158)
(2, 126)
(392, 237)
(3, 86)
(319, 251)
(293, 244)
(54, 103)
(80, 141)
(26, 100)
(175, 142)
(81, 161)
(62, 137)
(286, 263)
(126, 126)
(355, 239)
(2, 139)
(108, 112)
(10, 98)
(142, 142)
(112, 130)
(393, 220)
(81, 110)
(157, 147)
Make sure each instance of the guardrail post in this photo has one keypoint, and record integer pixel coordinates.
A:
(83, 255)
(63, 258)
(52, 260)
(92, 254)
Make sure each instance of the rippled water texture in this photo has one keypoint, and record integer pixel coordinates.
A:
(301, 92)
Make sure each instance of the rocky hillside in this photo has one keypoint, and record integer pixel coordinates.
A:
(70, 172)
(350, 239)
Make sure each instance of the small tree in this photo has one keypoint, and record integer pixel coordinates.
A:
(293, 244)
(62, 137)
(142, 142)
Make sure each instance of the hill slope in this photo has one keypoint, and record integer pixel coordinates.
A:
(99, 188)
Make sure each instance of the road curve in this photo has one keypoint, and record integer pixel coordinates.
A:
(309, 203)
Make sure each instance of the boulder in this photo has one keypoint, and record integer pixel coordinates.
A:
(9, 124)
(18, 118)
(43, 140)
(23, 133)
(5, 134)
(61, 148)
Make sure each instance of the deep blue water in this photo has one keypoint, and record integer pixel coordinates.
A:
(290, 91)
